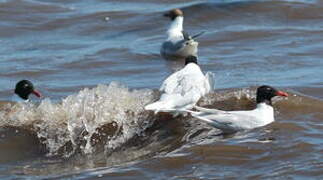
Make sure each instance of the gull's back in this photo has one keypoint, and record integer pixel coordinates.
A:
(188, 79)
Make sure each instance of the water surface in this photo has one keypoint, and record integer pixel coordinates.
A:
(98, 64)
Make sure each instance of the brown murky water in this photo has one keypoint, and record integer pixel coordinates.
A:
(98, 63)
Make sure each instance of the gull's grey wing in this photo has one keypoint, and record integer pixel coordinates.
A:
(181, 48)
(171, 47)
(227, 121)
(206, 110)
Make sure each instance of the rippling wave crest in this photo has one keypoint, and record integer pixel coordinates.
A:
(108, 115)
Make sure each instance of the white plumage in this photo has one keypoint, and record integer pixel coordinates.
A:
(178, 43)
(183, 89)
(232, 121)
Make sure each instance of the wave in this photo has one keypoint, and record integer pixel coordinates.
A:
(108, 117)
(110, 113)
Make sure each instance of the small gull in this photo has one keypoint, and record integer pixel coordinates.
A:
(178, 43)
(22, 91)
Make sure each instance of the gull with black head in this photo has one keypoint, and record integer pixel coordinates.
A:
(233, 121)
(23, 89)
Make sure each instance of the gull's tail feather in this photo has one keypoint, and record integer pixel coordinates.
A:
(198, 34)
(187, 37)
(160, 106)
(211, 79)
(156, 106)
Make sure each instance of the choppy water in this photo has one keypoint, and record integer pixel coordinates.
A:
(98, 63)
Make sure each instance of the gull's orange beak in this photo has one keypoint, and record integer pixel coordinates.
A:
(37, 93)
(281, 93)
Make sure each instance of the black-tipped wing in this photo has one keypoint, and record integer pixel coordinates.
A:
(186, 36)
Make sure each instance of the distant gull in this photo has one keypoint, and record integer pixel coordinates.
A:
(178, 43)
(233, 121)
(182, 89)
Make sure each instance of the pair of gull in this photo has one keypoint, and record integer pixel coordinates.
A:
(182, 89)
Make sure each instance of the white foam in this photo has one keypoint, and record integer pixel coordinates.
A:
(77, 118)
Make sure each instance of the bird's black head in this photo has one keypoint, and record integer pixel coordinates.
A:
(24, 88)
(190, 59)
(265, 93)
(172, 14)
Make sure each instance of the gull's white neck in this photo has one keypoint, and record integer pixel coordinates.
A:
(176, 27)
(16, 98)
(264, 106)
(265, 113)
(192, 66)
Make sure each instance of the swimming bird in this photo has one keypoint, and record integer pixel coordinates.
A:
(233, 121)
(22, 91)
(182, 89)
(178, 43)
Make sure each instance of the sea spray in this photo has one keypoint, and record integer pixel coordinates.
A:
(80, 121)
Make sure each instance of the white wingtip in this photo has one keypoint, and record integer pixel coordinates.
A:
(160, 106)
(153, 106)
